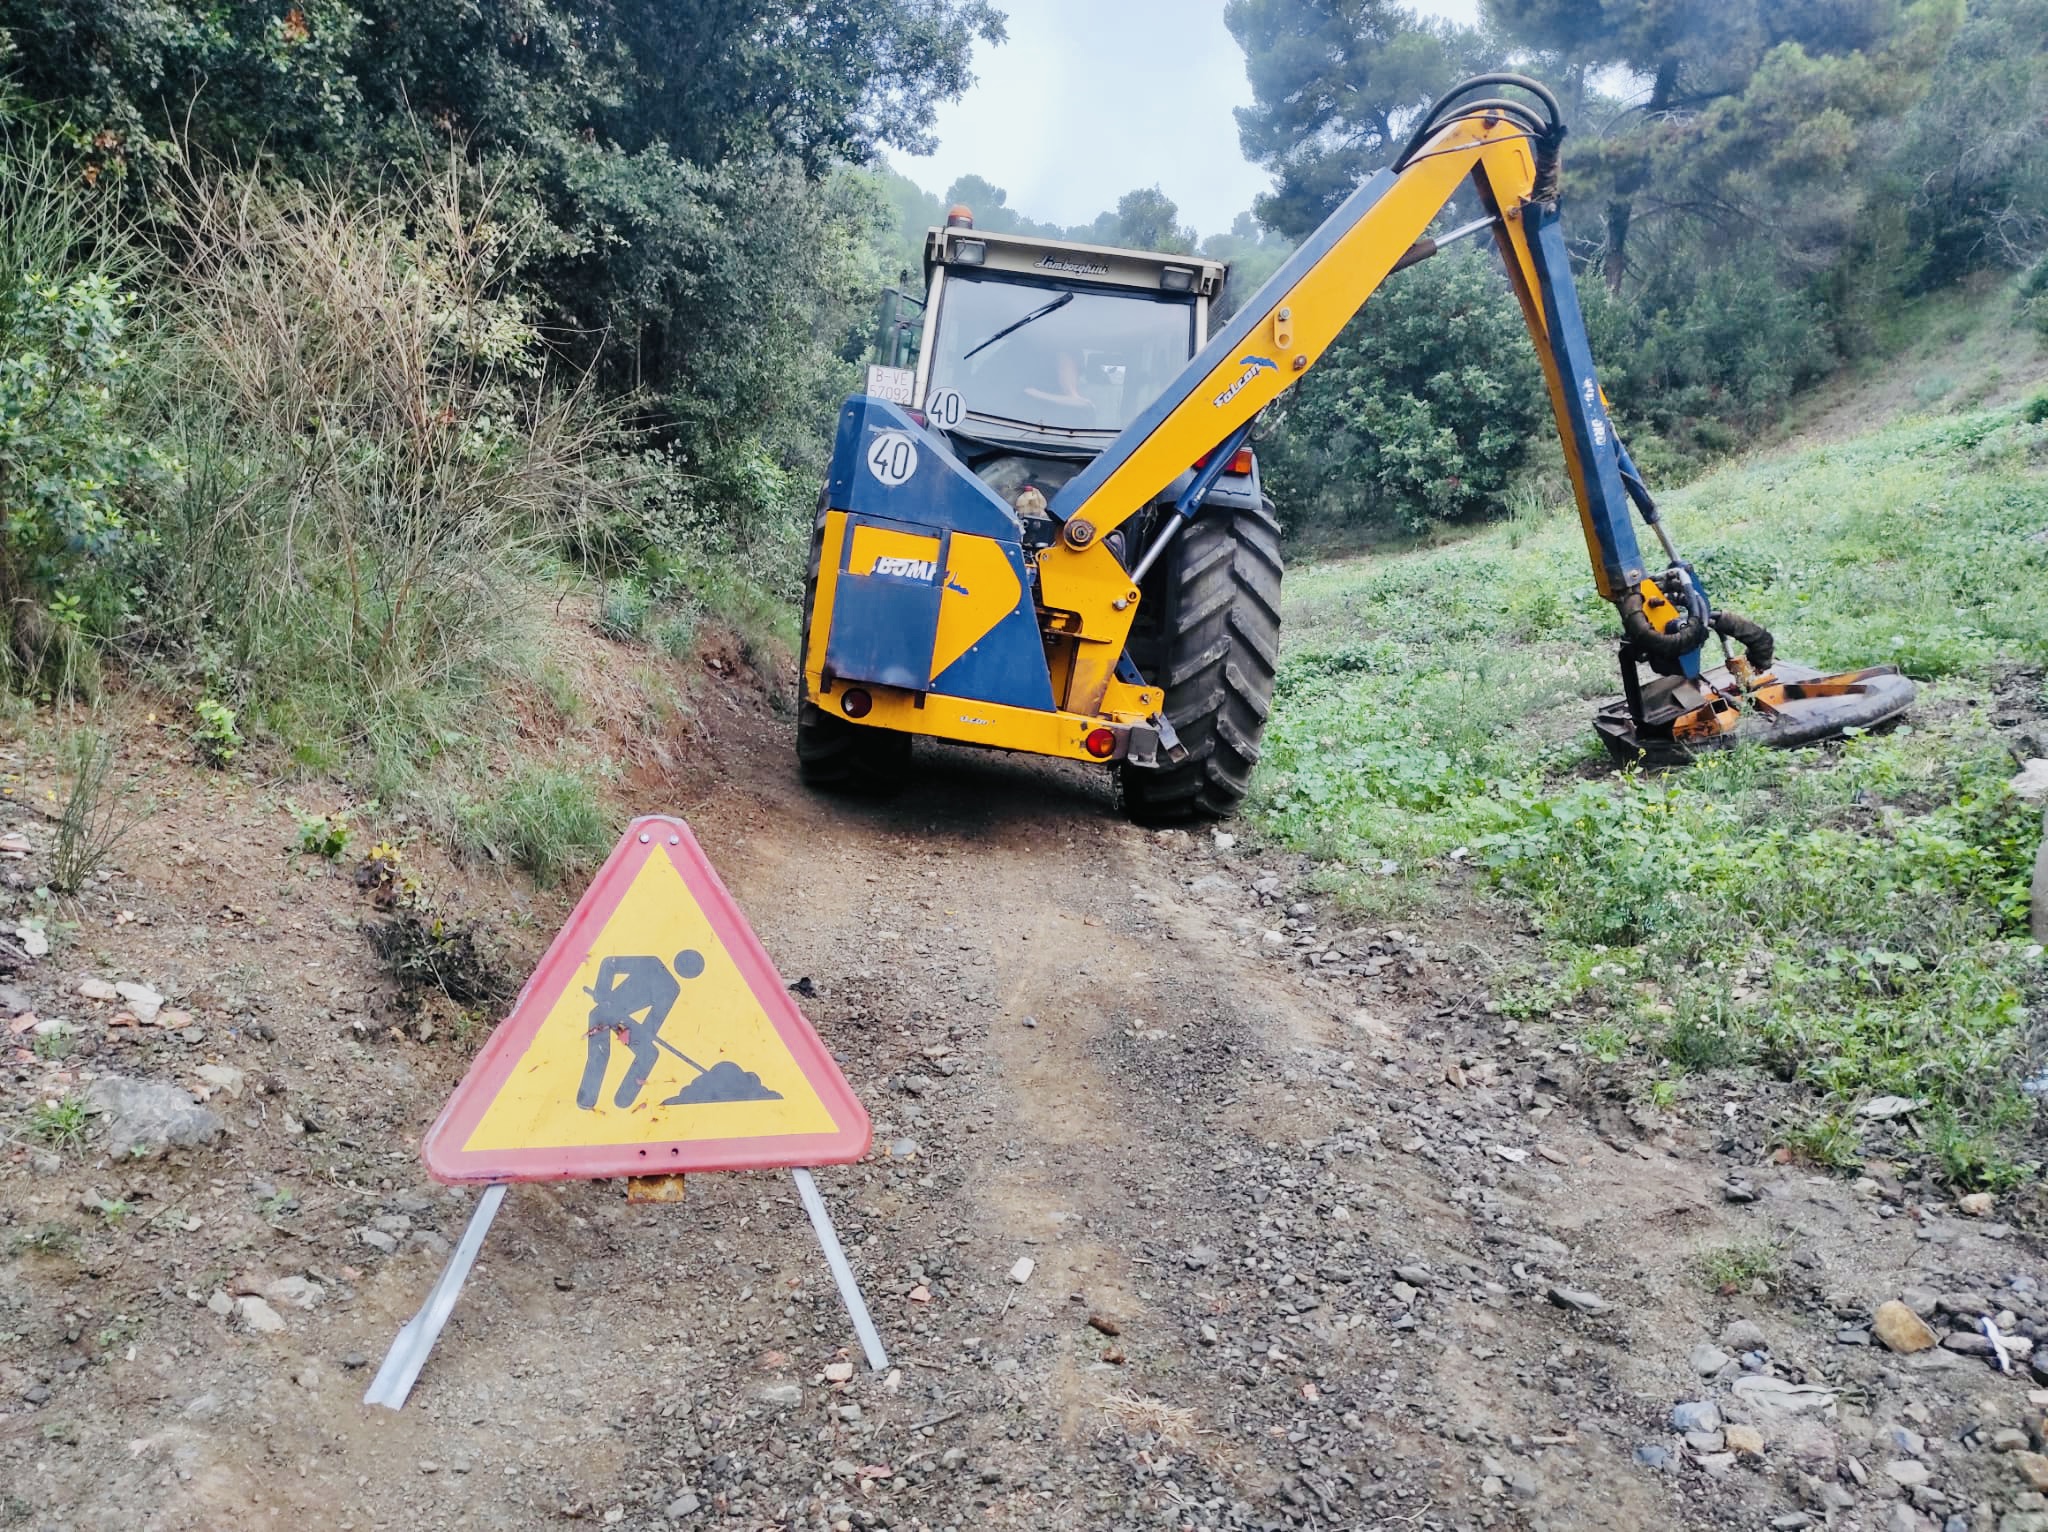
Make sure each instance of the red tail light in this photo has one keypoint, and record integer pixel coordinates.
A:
(855, 703)
(1100, 743)
(1240, 461)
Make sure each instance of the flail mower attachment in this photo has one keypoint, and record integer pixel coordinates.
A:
(1674, 719)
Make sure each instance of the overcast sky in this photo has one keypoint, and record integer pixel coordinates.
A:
(1090, 98)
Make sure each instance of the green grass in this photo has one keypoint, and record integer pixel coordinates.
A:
(1851, 917)
(1739, 1265)
(60, 1124)
(548, 818)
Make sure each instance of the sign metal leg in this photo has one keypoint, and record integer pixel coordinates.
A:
(416, 1337)
(842, 1273)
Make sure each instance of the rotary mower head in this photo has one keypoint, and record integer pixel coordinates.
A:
(1672, 720)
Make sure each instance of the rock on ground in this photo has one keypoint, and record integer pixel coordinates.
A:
(146, 1118)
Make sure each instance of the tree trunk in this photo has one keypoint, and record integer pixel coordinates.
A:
(1630, 181)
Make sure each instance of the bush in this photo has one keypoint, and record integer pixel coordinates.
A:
(67, 465)
(1702, 358)
(622, 615)
(379, 459)
(1419, 412)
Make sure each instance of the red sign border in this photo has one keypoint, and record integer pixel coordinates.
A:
(448, 1162)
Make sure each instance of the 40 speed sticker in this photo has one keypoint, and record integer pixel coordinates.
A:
(892, 457)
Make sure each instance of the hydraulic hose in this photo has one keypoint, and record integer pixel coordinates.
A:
(1546, 130)
(1756, 640)
(1685, 632)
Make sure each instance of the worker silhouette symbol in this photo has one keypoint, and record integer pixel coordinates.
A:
(630, 1001)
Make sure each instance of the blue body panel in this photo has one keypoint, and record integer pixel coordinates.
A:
(889, 624)
(1229, 341)
(942, 492)
(885, 625)
(1600, 452)
(1007, 663)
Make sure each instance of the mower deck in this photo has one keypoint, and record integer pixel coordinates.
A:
(1675, 719)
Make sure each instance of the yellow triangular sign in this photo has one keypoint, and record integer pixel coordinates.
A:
(655, 1037)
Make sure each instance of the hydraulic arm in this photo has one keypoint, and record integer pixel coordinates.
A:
(1508, 151)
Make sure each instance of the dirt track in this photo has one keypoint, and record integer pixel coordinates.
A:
(1316, 1211)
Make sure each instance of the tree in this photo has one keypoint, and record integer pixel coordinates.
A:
(1253, 252)
(1334, 83)
(673, 154)
(1148, 219)
(1972, 162)
(1421, 409)
(1751, 117)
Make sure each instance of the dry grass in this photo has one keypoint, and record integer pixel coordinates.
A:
(377, 459)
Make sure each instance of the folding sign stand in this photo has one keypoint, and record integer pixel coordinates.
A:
(580, 1083)
(415, 1341)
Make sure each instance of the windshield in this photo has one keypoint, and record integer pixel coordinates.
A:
(1088, 361)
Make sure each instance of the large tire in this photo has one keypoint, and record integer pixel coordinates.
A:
(831, 753)
(1212, 642)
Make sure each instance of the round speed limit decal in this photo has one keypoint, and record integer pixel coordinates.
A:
(892, 457)
(945, 408)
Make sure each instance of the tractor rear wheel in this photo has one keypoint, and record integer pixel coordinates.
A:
(1212, 641)
(830, 752)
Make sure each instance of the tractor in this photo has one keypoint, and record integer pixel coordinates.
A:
(1043, 529)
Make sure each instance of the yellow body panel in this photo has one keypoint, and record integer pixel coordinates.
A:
(832, 540)
(985, 723)
(872, 544)
(981, 590)
(1088, 583)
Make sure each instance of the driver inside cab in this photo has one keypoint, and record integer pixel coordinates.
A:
(1065, 390)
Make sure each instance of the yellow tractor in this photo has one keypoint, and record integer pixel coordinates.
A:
(1043, 529)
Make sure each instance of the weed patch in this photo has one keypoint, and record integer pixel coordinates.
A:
(60, 1124)
(97, 813)
(1731, 1268)
(546, 818)
(1850, 917)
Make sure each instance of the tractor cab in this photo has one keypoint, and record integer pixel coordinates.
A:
(1031, 354)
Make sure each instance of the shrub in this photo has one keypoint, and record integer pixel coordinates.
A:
(215, 736)
(96, 814)
(546, 818)
(622, 616)
(676, 636)
(1421, 410)
(67, 465)
(379, 458)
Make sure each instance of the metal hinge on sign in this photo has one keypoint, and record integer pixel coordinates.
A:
(1169, 742)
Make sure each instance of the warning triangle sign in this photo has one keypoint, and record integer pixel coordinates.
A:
(654, 1038)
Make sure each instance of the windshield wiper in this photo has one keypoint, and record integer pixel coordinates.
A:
(1038, 313)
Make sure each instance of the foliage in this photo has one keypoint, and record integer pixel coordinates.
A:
(68, 464)
(1333, 85)
(96, 813)
(321, 835)
(622, 614)
(545, 817)
(1854, 918)
(215, 735)
(1420, 410)
(1971, 160)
